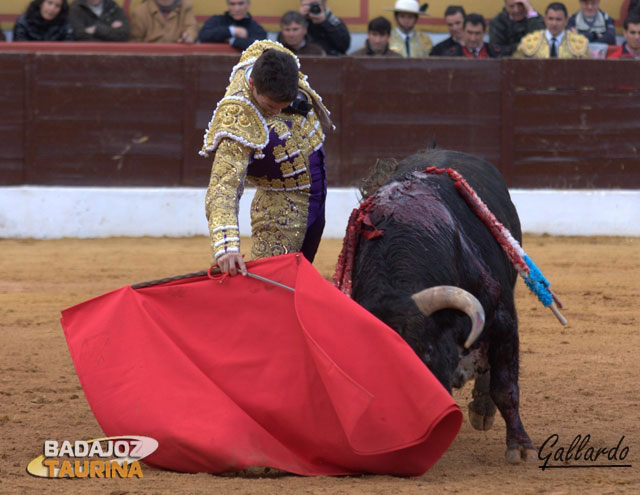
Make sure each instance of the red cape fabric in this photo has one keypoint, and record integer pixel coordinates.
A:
(236, 373)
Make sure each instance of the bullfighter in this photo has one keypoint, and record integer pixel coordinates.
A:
(268, 129)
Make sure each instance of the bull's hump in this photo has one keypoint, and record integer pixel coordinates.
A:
(414, 202)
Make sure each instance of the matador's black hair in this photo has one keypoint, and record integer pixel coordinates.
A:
(275, 74)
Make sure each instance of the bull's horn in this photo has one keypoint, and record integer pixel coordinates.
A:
(446, 296)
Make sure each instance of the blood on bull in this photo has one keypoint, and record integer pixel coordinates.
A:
(420, 259)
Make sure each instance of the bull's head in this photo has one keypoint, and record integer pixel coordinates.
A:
(440, 352)
(446, 296)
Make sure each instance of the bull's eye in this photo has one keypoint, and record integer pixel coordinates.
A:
(427, 355)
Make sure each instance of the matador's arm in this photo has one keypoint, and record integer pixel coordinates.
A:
(223, 196)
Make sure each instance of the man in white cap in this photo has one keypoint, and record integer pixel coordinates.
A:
(405, 39)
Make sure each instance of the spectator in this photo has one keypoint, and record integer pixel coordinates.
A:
(454, 19)
(2, 37)
(163, 21)
(293, 35)
(325, 29)
(377, 43)
(98, 20)
(473, 45)
(593, 23)
(631, 47)
(634, 7)
(554, 41)
(406, 40)
(517, 19)
(44, 20)
(235, 26)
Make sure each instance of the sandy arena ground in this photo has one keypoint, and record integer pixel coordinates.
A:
(575, 380)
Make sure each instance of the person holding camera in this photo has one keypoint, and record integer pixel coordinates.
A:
(325, 28)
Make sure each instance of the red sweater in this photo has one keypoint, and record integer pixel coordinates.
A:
(621, 52)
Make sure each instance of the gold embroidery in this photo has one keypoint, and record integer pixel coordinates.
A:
(238, 115)
(256, 49)
(286, 168)
(238, 129)
(299, 163)
(221, 206)
(535, 45)
(279, 152)
(278, 223)
(304, 180)
(292, 144)
(280, 128)
(420, 44)
(308, 126)
(578, 45)
(290, 183)
(531, 43)
(237, 120)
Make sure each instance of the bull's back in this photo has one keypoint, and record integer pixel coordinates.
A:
(432, 236)
(482, 176)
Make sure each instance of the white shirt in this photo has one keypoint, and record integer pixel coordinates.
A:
(558, 37)
(405, 35)
(96, 9)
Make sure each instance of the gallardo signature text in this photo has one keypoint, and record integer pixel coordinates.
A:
(580, 450)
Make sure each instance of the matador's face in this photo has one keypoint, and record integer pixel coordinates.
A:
(268, 106)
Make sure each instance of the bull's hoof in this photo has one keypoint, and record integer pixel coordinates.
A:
(482, 422)
(521, 454)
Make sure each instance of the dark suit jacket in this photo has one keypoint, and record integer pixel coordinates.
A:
(444, 46)
(216, 30)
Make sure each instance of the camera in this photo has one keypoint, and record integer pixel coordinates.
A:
(315, 8)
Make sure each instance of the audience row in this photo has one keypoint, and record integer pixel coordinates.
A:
(518, 30)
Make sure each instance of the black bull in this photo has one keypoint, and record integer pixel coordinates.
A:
(433, 238)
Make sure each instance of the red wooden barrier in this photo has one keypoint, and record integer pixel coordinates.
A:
(104, 116)
(91, 47)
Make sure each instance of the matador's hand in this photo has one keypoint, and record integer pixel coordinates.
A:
(232, 263)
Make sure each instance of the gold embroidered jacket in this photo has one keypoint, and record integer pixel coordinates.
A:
(420, 44)
(281, 155)
(535, 45)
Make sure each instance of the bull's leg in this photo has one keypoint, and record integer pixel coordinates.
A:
(482, 410)
(503, 361)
